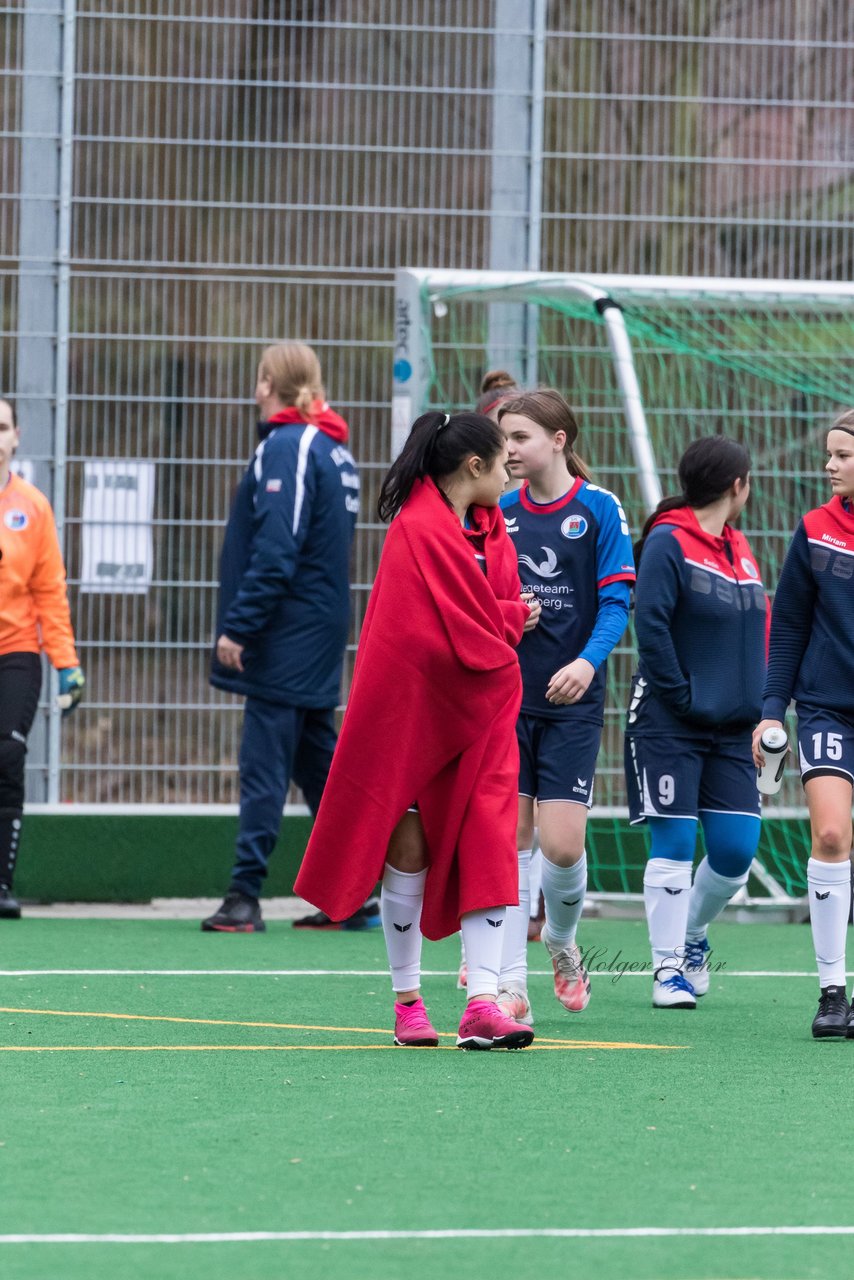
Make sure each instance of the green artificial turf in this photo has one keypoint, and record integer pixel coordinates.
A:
(743, 1124)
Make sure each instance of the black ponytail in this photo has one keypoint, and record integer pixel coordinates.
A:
(707, 468)
(436, 446)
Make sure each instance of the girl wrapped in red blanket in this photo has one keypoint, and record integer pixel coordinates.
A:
(422, 790)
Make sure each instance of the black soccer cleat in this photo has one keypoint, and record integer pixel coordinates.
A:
(367, 917)
(831, 1020)
(239, 913)
(10, 907)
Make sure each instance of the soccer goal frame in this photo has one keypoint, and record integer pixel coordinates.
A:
(513, 301)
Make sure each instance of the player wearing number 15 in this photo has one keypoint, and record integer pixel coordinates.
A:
(812, 660)
(701, 617)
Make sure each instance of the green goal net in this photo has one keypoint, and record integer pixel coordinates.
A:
(649, 364)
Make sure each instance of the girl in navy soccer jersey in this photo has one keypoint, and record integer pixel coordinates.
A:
(812, 660)
(574, 553)
(701, 617)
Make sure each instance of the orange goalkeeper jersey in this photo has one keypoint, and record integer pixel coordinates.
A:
(34, 613)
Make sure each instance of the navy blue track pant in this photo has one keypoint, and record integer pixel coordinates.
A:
(278, 743)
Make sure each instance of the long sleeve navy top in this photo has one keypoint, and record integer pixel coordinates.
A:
(701, 622)
(812, 654)
(284, 572)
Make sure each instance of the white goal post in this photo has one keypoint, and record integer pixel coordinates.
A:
(656, 359)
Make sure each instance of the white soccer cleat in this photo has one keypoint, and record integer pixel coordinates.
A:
(514, 1002)
(695, 965)
(672, 990)
(572, 981)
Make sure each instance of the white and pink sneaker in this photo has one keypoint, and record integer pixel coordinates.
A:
(514, 1002)
(572, 981)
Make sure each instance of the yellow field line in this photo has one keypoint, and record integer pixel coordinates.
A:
(297, 1026)
(281, 1048)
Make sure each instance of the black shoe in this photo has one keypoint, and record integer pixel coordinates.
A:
(10, 908)
(238, 914)
(832, 1016)
(367, 917)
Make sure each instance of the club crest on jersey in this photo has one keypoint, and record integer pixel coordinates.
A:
(15, 520)
(574, 527)
(274, 486)
(749, 568)
(547, 569)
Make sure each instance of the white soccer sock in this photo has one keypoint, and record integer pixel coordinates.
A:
(400, 907)
(514, 952)
(563, 891)
(483, 935)
(829, 888)
(666, 888)
(535, 878)
(709, 894)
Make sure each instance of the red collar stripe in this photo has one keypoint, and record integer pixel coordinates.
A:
(545, 508)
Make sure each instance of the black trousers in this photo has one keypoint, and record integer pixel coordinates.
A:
(20, 685)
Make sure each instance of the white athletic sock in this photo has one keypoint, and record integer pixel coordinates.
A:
(666, 888)
(829, 888)
(514, 952)
(400, 907)
(535, 878)
(563, 891)
(709, 894)
(483, 935)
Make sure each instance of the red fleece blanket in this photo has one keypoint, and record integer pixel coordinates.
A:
(430, 719)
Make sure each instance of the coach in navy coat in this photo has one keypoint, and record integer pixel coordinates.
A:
(284, 610)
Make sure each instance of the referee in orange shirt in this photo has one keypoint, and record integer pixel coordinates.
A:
(34, 616)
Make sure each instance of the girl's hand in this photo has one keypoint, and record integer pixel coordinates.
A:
(534, 610)
(229, 653)
(570, 683)
(758, 758)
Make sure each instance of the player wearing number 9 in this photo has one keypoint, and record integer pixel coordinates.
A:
(701, 617)
(812, 660)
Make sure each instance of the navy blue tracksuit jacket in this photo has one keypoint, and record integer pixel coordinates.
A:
(701, 618)
(284, 571)
(812, 657)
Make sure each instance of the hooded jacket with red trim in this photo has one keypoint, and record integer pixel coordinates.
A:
(701, 618)
(284, 571)
(812, 656)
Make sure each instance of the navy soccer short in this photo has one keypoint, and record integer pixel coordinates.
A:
(557, 757)
(825, 744)
(678, 777)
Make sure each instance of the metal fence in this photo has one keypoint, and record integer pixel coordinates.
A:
(184, 181)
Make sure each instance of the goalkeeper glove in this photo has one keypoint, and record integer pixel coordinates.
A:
(71, 683)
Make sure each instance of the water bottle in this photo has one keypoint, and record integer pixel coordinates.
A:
(774, 745)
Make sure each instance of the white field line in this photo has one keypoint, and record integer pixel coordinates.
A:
(361, 973)
(462, 1233)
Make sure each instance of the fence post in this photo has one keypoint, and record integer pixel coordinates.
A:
(516, 191)
(47, 71)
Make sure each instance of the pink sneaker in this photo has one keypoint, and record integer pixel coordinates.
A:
(412, 1027)
(572, 981)
(484, 1026)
